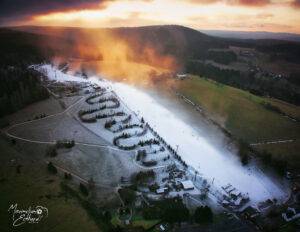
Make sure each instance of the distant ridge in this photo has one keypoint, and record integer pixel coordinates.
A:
(180, 42)
(253, 35)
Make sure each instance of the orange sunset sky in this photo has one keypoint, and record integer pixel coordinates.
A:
(242, 15)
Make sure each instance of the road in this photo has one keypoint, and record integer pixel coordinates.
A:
(273, 142)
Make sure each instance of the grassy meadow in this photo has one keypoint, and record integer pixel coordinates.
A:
(34, 186)
(244, 115)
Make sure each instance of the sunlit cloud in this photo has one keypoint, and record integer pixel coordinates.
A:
(250, 2)
(17, 10)
(296, 3)
(269, 15)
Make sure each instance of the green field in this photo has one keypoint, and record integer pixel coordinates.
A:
(243, 115)
(136, 221)
(34, 186)
(283, 151)
(139, 221)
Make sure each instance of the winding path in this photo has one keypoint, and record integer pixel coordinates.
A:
(77, 143)
(76, 176)
(114, 98)
(53, 142)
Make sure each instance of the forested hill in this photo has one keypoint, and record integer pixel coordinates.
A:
(18, 47)
(178, 41)
(19, 85)
(192, 49)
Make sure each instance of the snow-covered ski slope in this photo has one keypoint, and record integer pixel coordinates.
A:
(212, 163)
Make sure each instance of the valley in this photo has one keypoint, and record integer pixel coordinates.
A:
(120, 131)
(155, 128)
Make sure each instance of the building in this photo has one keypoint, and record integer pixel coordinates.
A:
(162, 228)
(161, 190)
(250, 212)
(187, 185)
(181, 76)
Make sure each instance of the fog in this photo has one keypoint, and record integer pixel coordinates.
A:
(111, 52)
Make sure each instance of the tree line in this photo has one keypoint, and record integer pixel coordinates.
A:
(19, 87)
(222, 57)
(256, 84)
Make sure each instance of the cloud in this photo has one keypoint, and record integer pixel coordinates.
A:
(204, 1)
(234, 2)
(252, 2)
(264, 16)
(249, 3)
(296, 3)
(16, 10)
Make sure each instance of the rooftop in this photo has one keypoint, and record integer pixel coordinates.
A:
(187, 184)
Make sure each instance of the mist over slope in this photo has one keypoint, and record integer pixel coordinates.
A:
(173, 40)
(180, 49)
(178, 41)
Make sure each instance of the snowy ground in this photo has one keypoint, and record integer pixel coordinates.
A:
(219, 167)
(212, 164)
(56, 128)
(56, 75)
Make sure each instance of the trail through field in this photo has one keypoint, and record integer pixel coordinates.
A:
(273, 142)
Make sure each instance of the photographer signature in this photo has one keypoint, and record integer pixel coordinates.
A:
(31, 215)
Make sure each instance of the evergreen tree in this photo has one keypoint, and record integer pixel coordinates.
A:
(203, 215)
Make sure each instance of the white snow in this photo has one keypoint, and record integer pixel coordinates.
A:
(57, 75)
(217, 166)
(197, 152)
